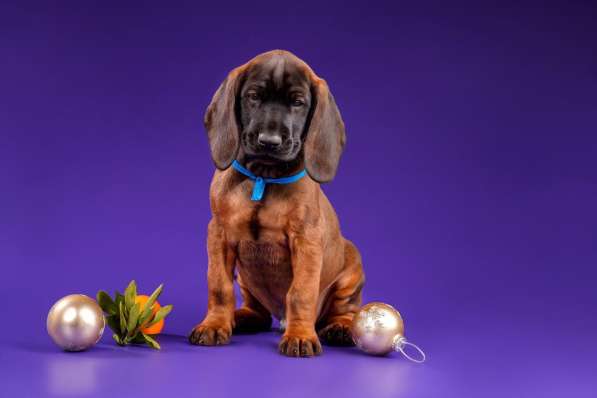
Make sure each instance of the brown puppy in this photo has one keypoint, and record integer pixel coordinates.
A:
(276, 118)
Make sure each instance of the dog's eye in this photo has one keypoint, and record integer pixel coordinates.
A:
(253, 96)
(298, 102)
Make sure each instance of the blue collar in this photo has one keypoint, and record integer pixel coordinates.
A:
(259, 187)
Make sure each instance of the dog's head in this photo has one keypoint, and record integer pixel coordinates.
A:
(275, 113)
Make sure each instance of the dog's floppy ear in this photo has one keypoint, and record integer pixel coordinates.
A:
(221, 120)
(325, 136)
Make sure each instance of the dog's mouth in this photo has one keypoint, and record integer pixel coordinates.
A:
(266, 160)
(269, 166)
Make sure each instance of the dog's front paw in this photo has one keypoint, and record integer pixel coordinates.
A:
(336, 334)
(295, 345)
(210, 334)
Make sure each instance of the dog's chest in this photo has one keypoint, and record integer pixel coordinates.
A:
(262, 248)
(263, 255)
(262, 243)
(265, 270)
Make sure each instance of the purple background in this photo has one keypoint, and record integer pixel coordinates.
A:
(469, 183)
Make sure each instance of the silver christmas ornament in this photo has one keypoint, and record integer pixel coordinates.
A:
(378, 328)
(76, 322)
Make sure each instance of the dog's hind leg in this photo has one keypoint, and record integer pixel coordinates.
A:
(251, 317)
(343, 301)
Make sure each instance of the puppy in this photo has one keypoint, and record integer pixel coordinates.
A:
(275, 117)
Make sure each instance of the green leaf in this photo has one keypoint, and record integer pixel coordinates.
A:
(118, 298)
(117, 339)
(122, 319)
(129, 295)
(161, 314)
(114, 323)
(133, 318)
(145, 316)
(105, 302)
(146, 312)
(151, 342)
(154, 296)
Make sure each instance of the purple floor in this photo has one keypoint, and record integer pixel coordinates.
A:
(468, 183)
(488, 361)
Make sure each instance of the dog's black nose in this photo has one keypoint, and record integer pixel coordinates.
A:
(269, 141)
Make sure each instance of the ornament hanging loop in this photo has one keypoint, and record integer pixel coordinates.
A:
(399, 345)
